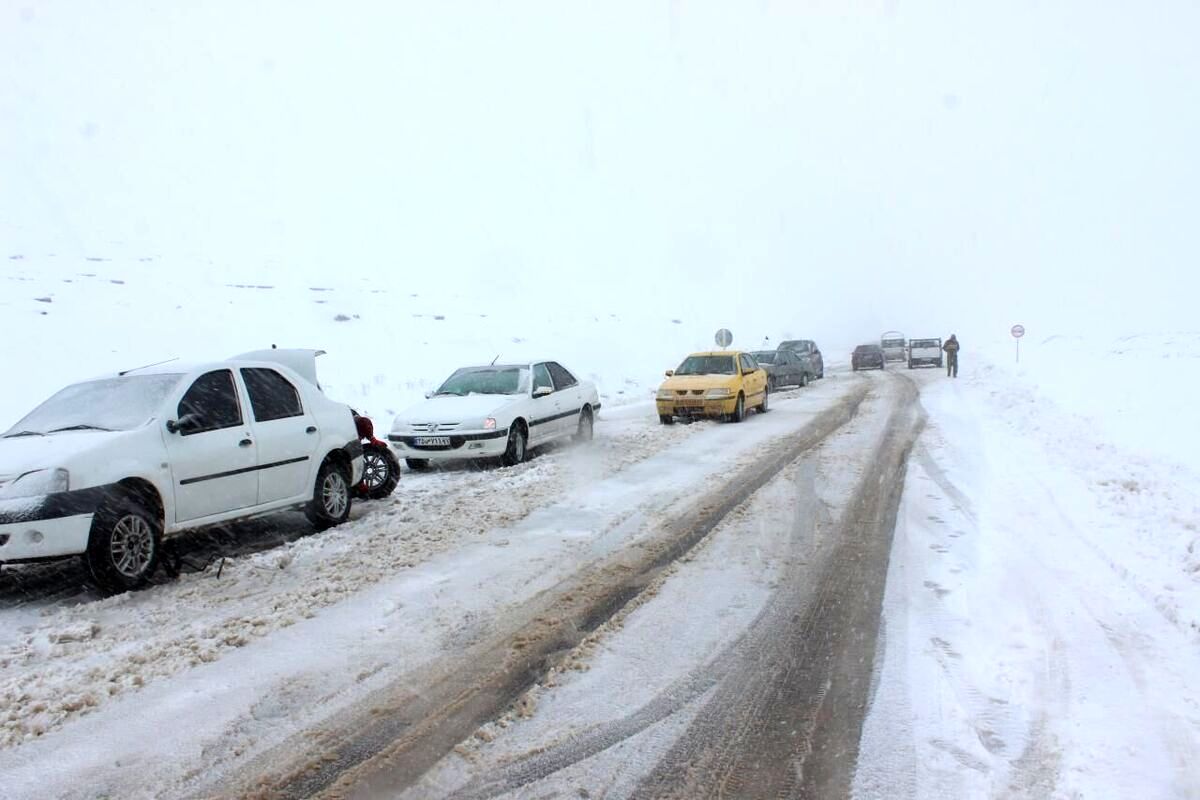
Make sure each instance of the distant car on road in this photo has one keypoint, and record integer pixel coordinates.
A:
(809, 354)
(714, 384)
(784, 368)
(867, 356)
(894, 346)
(496, 411)
(107, 467)
(925, 353)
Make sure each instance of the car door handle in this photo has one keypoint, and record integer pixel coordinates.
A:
(311, 429)
(245, 443)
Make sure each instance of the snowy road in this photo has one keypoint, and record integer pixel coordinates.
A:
(892, 585)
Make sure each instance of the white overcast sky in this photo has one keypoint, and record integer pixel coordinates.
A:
(927, 166)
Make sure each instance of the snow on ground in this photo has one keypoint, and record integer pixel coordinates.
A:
(1042, 614)
(621, 683)
(291, 635)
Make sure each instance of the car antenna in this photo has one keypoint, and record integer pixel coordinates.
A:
(147, 366)
(494, 360)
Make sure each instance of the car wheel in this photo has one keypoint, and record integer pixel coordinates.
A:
(739, 410)
(381, 473)
(803, 379)
(764, 406)
(586, 429)
(330, 505)
(515, 452)
(666, 419)
(771, 384)
(417, 464)
(124, 545)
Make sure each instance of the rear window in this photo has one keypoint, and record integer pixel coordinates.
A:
(925, 343)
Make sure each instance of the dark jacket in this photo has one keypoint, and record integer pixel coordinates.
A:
(951, 346)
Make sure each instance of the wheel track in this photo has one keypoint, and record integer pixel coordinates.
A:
(721, 754)
(402, 732)
(787, 725)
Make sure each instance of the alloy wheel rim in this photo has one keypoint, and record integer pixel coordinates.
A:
(131, 546)
(376, 469)
(333, 494)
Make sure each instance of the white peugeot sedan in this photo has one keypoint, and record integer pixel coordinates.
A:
(107, 467)
(497, 411)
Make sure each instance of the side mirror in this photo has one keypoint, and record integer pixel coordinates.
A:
(428, 395)
(542, 391)
(669, 373)
(188, 422)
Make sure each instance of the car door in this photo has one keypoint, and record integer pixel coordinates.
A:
(754, 379)
(567, 387)
(212, 453)
(785, 369)
(544, 422)
(286, 434)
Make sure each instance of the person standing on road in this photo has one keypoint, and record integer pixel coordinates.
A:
(951, 348)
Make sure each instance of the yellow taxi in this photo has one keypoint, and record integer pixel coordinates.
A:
(715, 384)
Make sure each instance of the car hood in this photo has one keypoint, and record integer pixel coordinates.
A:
(24, 453)
(449, 408)
(681, 382)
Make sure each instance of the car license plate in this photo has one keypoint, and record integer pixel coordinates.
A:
(432, 441)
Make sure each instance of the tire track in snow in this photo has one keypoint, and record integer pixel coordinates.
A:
(409, 730)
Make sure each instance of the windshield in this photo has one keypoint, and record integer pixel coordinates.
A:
(867, 348)
(707, 365)
(486, 380)
(924, 343)
(893, 343)
(764, 356)
(111, 404)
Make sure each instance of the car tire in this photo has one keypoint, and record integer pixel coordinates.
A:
(764, 406)
(771, 384)
(417, 464)
(381, 473)
(586, 430)
(666, 419)
(739, 409)
(803, 380)
(124, 545)
(515, 452)
(331, 501)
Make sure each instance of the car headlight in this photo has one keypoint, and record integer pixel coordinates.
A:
(665, 394)
(717, 394)
(37, 482)
(489, 424)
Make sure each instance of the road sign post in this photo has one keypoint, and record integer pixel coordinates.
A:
(1017, 332)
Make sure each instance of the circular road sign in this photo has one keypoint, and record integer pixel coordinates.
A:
(1018, 331)
(724, 338)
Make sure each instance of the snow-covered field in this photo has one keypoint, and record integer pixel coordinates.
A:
(1042, 616)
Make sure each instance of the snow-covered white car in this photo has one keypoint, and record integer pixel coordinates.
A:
(498, 411)
(107, 467)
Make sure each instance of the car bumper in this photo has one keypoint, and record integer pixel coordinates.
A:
(696, 408)
(466, 445)
(925, 362)
(44, 538)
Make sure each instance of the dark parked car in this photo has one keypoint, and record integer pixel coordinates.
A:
(810, 355)
(867, 356)
(784, 368)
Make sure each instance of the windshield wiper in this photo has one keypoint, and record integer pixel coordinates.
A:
(79, 428)
(23, 433)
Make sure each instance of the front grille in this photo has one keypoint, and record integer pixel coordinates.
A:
(684, 392)
(434, 427)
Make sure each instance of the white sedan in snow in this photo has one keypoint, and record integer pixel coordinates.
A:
(496, 411)
(107, 467)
